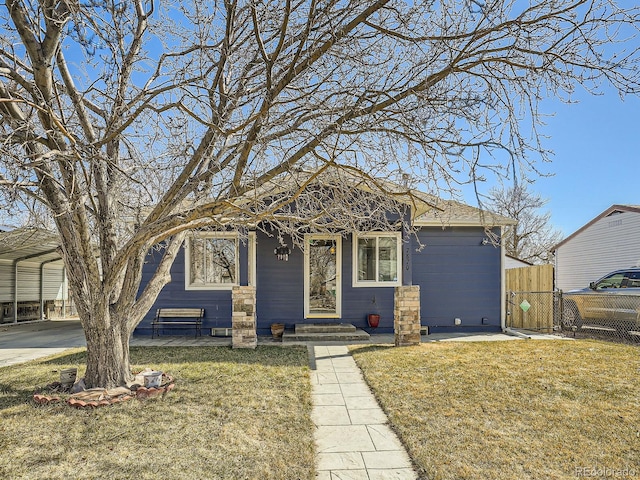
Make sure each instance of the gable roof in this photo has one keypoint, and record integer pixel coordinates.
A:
(427, 209)
(609, 211)
(451, 213)
(299, 179)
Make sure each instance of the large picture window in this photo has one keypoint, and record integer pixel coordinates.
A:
(377, 259)
(211, 261)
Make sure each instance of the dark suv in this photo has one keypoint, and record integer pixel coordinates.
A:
(613, 302)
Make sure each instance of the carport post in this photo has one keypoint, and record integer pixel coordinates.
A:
(15, 279)
(65, 292)
(42, 284)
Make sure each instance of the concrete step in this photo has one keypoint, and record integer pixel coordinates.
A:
(301, 328)
(355, 336)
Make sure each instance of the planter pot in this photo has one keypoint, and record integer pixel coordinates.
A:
(277, 329)
(373, 319)
(68, 376)
(152, 379)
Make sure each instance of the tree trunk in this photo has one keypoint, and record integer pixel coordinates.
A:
(107, 350)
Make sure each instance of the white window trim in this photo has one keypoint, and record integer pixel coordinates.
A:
(187, 261)
(252, 257)
(376, 283)
(307, 306)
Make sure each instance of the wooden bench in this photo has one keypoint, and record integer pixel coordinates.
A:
(178, 318)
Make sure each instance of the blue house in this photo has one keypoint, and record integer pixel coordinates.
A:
(453, 254)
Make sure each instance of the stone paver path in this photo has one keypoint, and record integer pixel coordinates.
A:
(352, 436)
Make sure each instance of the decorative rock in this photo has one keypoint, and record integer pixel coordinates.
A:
(79, 386)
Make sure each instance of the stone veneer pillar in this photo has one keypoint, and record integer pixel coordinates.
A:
(406, 315)
(243, 321)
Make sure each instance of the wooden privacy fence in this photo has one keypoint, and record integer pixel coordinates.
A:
(537, 278)
(531, 302)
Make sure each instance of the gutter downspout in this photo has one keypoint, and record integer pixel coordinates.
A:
(503, 283)
(503, 308)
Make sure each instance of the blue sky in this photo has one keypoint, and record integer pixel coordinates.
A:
(596, 163)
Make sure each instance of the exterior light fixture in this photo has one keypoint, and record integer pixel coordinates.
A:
(282, 253)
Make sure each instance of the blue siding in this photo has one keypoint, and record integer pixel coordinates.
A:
(280, 291)
(217, 303)
(458, 278)
(357, 303)
(279, 284)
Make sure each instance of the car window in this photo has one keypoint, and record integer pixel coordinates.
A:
(612, 281)
(633, 280)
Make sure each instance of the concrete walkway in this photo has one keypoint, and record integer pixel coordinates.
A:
(352, 436)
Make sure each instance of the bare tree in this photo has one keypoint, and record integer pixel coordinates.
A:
(532, 238)
(133, 122)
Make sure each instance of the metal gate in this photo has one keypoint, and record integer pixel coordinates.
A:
(536, 311)
(601, 315)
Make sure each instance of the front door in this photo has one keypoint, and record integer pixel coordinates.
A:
(322, 267)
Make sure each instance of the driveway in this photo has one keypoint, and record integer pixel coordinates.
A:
(20, 343)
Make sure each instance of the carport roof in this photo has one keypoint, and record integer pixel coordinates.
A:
(28, 242)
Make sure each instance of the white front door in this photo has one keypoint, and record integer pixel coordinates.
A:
(322, 276)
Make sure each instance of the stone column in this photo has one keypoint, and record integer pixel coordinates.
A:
(406, 315)
(243, 321)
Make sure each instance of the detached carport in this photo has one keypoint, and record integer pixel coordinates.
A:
(33, 283)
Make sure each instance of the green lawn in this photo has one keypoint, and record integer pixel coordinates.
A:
(234, 414)
(512, 410)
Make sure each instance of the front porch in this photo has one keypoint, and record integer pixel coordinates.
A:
(325, 332)
(299, 334)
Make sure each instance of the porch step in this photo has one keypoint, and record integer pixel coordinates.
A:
(324, 328)
(343, 332)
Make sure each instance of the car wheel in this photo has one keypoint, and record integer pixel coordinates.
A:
(571, 316)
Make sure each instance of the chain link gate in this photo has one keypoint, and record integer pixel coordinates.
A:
(536, 311)
(601, 315)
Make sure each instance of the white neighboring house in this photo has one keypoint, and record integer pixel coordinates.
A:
(514, 262)
(608, 242)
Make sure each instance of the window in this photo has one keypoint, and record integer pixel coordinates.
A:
(633, 280)
(211, 261)
(377, 259)
(612, 281)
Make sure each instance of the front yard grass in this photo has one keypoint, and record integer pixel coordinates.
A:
(234, 414)
(512, 410)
